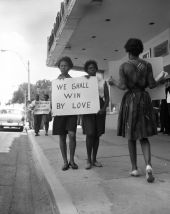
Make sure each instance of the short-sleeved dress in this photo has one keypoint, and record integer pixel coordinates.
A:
(63, 124)
(136, 117)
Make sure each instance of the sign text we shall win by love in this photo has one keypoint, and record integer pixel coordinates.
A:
(73, 96)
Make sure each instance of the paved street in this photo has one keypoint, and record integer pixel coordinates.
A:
(109, 189)
(21, 190)
(31, 179)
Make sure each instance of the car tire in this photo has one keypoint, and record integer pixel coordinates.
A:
(21, 129)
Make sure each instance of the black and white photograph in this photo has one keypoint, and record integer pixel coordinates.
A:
(84, 107)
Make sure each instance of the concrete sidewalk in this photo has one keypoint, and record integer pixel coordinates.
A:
(109, 189)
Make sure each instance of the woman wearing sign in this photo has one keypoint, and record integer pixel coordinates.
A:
(94, 124)
(37, 117)
(63, 125)
(136, 117)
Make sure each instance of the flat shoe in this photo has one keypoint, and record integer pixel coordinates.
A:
(97, 164)
(73, 165)
(65, 167)
(88, 166)
(149, 174)
(135, 173)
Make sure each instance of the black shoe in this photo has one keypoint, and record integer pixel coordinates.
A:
(73, 165)
(88, 165)
(65, 167)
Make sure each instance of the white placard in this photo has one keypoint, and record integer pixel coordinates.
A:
(157, 93)
(42, 107)
(168, 98)
(74, 96)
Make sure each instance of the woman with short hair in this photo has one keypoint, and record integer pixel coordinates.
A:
(67, 124)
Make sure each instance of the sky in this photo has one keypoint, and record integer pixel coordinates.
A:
(24, 28)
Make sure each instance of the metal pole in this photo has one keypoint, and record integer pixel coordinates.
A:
(29, 96)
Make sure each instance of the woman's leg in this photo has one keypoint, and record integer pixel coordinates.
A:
(63, 148)
(72, 145)
(145, 145)
(147, 157)
(95, 150)
(36, 124)
(46, 127)
(132, 153)
(89, 145)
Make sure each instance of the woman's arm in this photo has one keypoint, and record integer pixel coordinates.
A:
(118, 84)
(154, 82)
(121, 83)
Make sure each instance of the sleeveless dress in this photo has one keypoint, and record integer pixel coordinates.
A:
(94, 124)
(136, 117)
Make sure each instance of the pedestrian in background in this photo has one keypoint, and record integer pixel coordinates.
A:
(93, 125)
(167, 93)
(37, 117)
(29, 114)
(136, 117)
(63, 125)
(46, 118)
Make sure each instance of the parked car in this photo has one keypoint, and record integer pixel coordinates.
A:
(12, 118)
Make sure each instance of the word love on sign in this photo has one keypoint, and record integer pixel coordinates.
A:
(73, 96)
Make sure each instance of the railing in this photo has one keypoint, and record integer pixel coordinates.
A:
(58, 20)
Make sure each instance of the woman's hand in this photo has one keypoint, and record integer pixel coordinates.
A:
(61, 78)
(111, 81)
(87, 76)
(101, 111)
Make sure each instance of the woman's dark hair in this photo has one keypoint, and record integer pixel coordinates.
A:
(46, 96)
(134, 46)
(89, 62)
(65, 59)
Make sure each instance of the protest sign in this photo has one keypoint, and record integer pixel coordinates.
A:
(168, 98)
(42, 107)
(74, 96)
(155, 94)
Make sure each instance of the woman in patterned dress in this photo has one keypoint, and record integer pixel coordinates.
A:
(136, 117)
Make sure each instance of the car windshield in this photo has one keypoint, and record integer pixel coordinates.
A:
(11, 111)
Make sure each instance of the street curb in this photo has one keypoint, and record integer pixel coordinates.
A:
(60, 199)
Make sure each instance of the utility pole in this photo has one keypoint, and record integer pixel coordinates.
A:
(29, 96)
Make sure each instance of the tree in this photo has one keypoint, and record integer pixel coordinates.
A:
(19, 96)
(41, 87)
